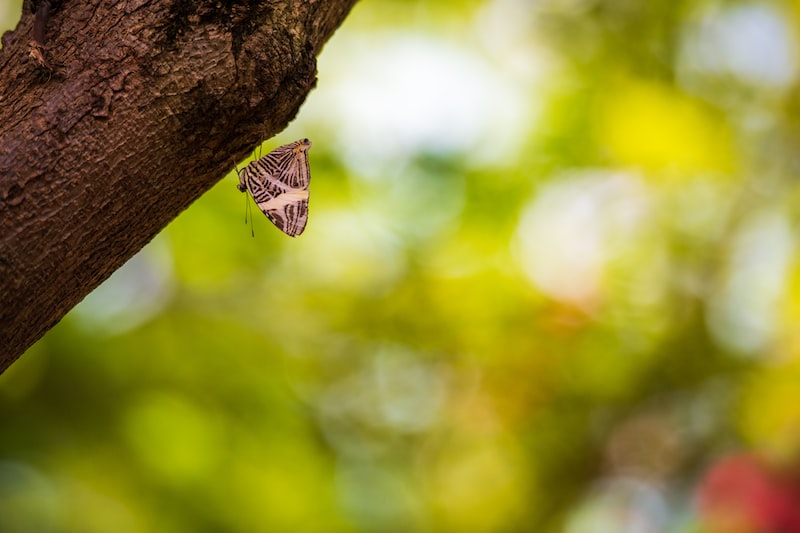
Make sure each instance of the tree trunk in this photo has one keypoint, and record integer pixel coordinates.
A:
(148, 104)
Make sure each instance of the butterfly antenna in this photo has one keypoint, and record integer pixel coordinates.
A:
(252, 222)
(246, 207)
(248, 211)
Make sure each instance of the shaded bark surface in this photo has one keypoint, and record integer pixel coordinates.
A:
(149, 104)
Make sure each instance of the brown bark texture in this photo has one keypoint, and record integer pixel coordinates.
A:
(147, 105)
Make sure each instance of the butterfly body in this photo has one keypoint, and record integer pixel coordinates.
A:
(278, 182)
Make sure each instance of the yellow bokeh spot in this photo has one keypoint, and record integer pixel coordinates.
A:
(657, 128)
(479, 488)
(770, 416)
(170, 436)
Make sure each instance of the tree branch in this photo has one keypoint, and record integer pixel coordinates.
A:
(150, 103)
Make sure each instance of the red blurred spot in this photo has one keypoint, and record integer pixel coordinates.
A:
(740, 495)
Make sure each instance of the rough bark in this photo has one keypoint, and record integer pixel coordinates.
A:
(150, 102)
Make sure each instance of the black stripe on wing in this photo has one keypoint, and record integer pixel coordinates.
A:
(291, 219)
(288, 164)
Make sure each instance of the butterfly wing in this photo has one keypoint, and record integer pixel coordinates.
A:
(288, 211)
(288, 164)
(278, 182)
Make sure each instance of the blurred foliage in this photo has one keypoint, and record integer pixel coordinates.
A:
(549, 280)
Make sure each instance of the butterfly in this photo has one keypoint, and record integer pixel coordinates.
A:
(278, 182)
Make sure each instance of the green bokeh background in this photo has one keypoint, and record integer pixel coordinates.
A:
(550, 275)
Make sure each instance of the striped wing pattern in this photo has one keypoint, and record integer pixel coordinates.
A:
(278, 182)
